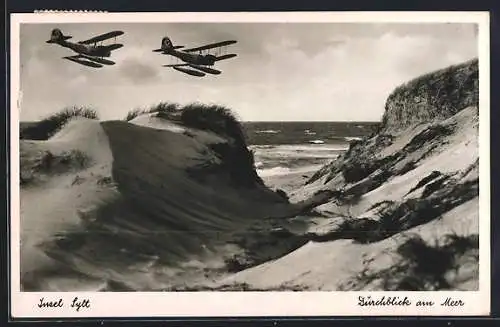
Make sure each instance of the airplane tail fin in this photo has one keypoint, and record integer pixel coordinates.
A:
(57, 36)
(166, 44)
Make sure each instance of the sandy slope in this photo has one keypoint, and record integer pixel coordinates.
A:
(332, 265)
(62, 186)
(134, 206)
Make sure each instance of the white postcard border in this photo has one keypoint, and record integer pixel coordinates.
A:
(221, 304)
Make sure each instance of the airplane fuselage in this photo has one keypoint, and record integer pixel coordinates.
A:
(89, 50)
(193, 58)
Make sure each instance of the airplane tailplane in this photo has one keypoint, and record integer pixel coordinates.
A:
(115, 46)
(227, 56)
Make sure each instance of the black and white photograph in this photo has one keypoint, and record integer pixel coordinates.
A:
(234, 156)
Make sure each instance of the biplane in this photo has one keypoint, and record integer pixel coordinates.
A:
(90, 52)
(196, 61)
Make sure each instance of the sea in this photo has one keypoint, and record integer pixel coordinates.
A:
(283, 147)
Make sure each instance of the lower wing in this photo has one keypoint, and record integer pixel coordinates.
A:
(81, 61)
(98, 60)
(204, 69)
(180, 68)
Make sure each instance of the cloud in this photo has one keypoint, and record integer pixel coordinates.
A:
(350, 80)
(139, 72)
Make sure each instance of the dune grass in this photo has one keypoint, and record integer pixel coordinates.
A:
(215, 118)
(424, 266)
(437, 94)
(237, 159)
(210, 117)
(50, 125)
(162, 109)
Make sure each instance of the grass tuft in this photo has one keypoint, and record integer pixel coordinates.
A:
(162, 109)
(50, 125)
(215, 118)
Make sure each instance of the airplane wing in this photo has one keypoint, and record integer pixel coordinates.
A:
(176, 65)
(174, 47)
(101, 61)
(180, 68)
(80, 61)
(115, 46)
(211, 46)
(206, 69)
(193, 72)
(102, 37)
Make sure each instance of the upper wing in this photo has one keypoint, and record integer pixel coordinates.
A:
(174, 47)
(102, 37)
(211, 46)
(176, 65)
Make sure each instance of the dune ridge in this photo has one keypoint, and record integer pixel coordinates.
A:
(171, 200)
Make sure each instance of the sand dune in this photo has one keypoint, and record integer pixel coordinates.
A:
(140, 197)
(64, 178)
(331, 265)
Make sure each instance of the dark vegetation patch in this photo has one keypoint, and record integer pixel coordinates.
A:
(238, 162)
(408, 166)
(263, 244)
(421, 266)
(437, 95)
(209, 117)
(282, 193)
(237, 287)
(434, 133)
(214, 118)
(358, 166)
(432, 176)
(393, 217)
(47, 127)
(357, 162)
(162, 109)
(106, 180)
(235, 158)
(48, 163)
(234, 162)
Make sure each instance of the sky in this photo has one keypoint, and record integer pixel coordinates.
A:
(283, 71)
